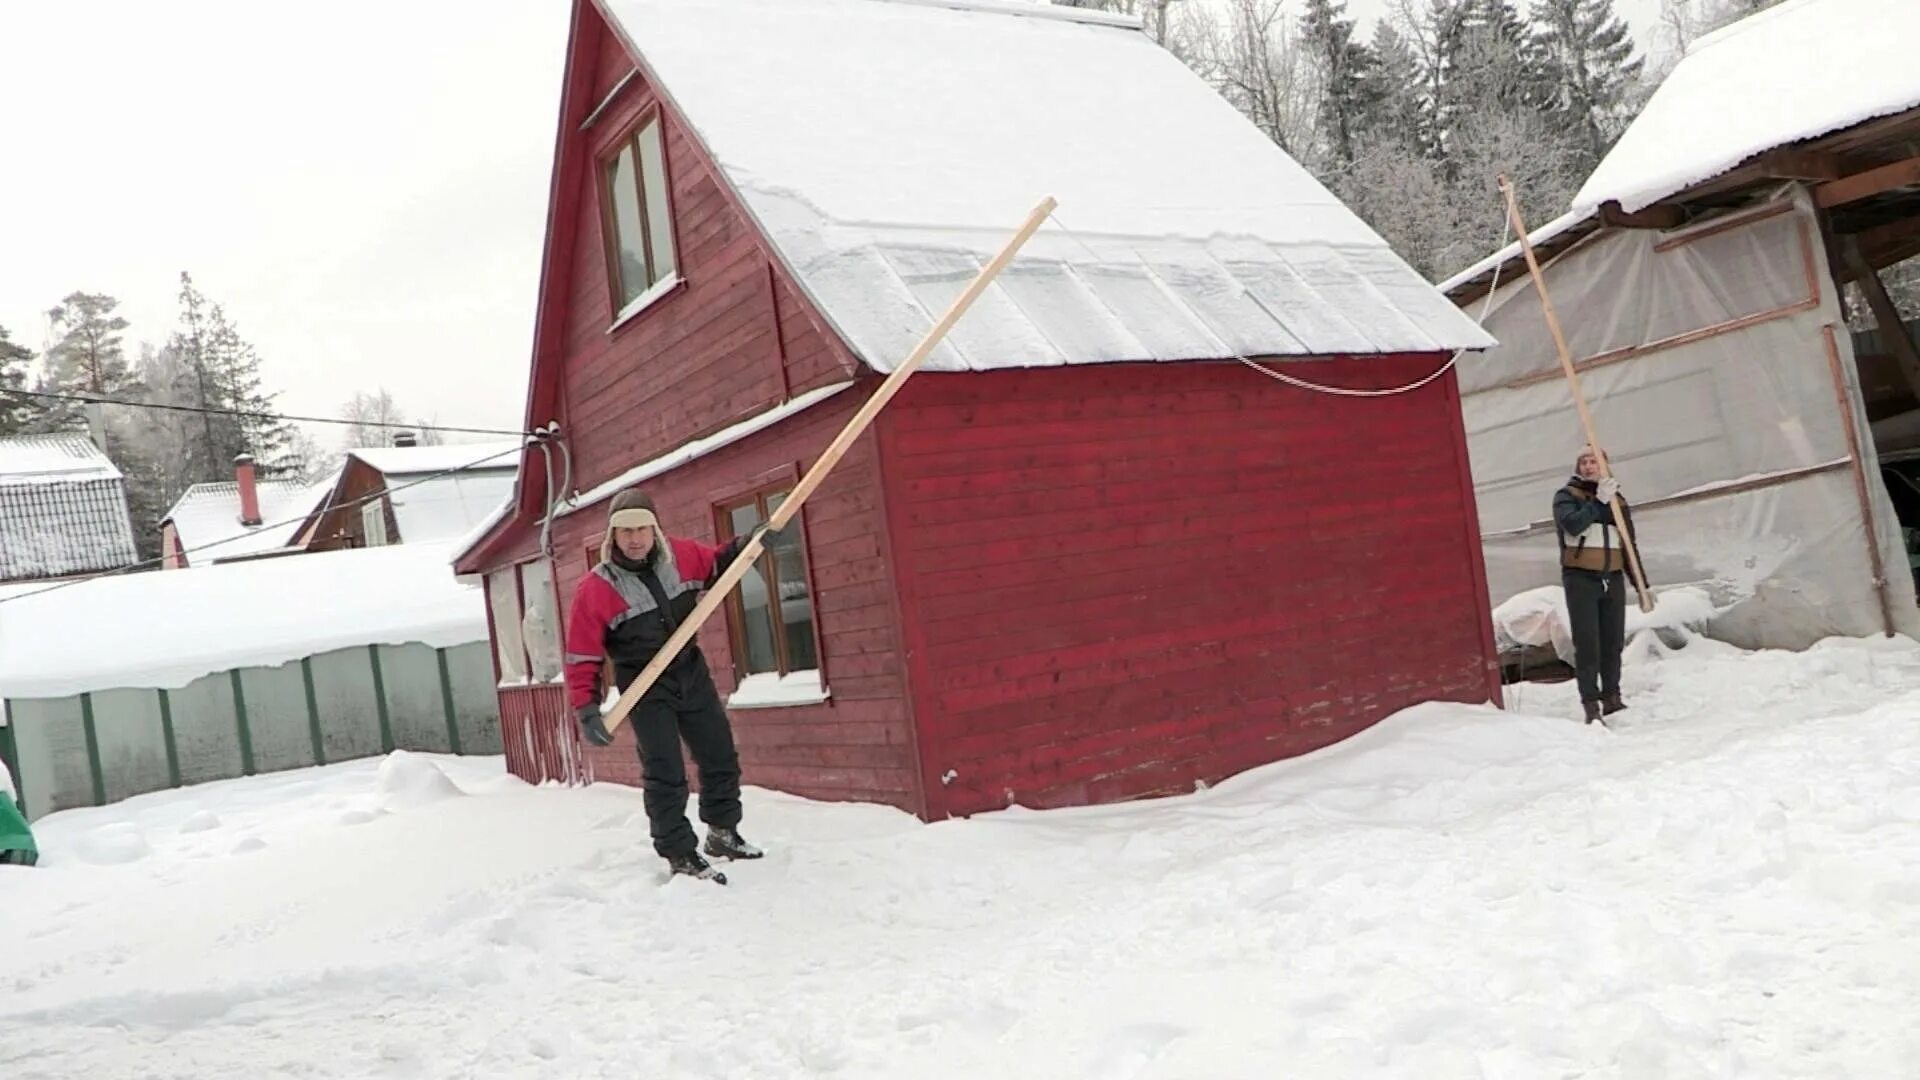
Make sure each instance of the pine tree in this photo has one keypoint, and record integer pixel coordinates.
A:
(18, 413)
(1589, 53)
(221, 371)
(1397, 112)
(1349, 86)
(89, 357)
(1500, 62)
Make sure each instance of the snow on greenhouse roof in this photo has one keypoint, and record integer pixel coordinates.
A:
(1792, 72)
(101, 634)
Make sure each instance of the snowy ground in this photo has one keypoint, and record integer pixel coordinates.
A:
(1726, 886)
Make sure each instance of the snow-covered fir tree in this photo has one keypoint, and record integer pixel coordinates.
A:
(220, 370)
(1349, 82)
(1591, 62)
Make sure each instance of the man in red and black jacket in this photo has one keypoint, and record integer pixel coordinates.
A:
(644, 587)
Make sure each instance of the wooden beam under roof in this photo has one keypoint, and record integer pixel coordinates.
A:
(1886, 317)
(1657, 216)
(1865, 185)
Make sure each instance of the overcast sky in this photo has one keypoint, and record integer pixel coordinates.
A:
(362, 183)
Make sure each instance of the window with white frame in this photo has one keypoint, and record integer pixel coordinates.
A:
(776, 656)
(638, 221)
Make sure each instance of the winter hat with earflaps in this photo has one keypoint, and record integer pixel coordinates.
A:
(631, 509)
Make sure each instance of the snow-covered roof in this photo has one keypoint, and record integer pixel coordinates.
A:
(888, 175)
(63, 509)
(167, 629)
(53, 459)
(206, 517)
(448, 507)
(414, 460)
(1791, 72)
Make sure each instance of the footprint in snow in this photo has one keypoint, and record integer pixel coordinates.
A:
(1130, 1049)
(201, 821)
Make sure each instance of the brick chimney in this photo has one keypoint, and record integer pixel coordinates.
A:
(406, 438)
(249, 495)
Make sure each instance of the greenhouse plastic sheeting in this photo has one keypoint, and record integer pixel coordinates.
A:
(1752, 410)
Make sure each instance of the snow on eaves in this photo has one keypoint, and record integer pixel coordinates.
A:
(166, 629)
(942, 124)
(699, 448)
(1792, 72)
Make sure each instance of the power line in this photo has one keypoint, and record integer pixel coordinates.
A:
(363, 500)
(1337, 391)
(85, 399)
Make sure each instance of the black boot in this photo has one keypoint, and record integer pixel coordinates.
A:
(1611, 703)
(1593, 712)
(726, 844)
(693, 866)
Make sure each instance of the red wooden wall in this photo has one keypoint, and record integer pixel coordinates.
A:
(734, 341)
(1119, 580)
(859, 744)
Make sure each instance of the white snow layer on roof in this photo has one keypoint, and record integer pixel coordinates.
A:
(1792, 72)
(889, 175)
(168, 629)
(207, 517)
(412, 460)
(448, 507)
(53, 459)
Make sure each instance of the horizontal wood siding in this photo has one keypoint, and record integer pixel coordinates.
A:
(734, 340)
(857, 746)
(1122, 580)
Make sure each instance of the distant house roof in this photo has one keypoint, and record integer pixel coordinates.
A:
(939, 126)
(410, 460)
(206, 517)
(428, 506)
(1789, 73)
(63, 509)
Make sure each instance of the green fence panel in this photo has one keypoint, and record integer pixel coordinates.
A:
(131, 739)
(415, 714)
(206, 728)
(343, 698)
(277, 717)
(50, 748)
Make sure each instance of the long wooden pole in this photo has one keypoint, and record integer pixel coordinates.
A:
(1579, 398)
(817, 475)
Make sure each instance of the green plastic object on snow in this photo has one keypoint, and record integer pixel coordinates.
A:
(16, 840)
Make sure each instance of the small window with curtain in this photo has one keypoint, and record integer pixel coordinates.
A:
(770, 614)
(638, 224)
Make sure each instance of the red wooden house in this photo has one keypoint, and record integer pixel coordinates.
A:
(1087, 553)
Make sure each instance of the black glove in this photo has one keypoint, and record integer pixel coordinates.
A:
(592, 726)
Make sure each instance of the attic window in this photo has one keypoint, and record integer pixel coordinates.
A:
(638, 225)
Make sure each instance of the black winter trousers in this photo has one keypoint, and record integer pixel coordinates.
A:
(1597, 608)
(660, 723)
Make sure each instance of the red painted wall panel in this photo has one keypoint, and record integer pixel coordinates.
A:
(1118, 581)
(858, 744)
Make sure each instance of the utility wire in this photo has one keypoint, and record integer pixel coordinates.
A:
(269, 525)
(86, 399)
(1291, 380)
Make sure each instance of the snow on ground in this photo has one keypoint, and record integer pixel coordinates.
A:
(1727, 885)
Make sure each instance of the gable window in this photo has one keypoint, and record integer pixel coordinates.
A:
(770, 616)
(639, 227)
